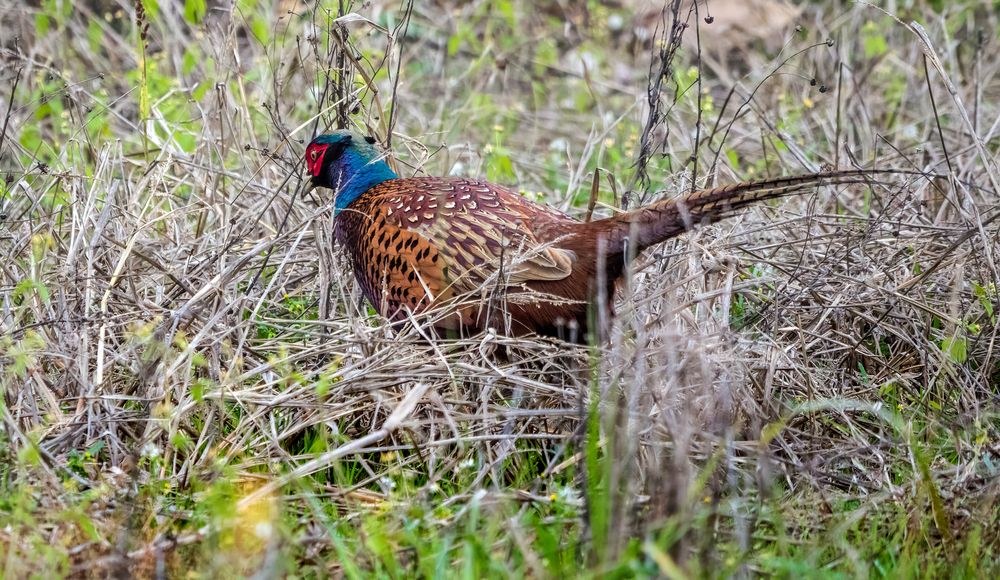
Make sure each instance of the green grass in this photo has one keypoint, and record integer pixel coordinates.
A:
(191, 386)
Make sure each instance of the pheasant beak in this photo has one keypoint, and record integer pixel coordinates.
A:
(306, 191)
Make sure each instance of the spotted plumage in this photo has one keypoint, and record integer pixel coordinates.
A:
(432, 240)
(483, 256)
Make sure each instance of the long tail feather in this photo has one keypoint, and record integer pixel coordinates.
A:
(665, 219)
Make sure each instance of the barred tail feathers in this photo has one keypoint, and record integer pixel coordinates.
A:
(665, 219)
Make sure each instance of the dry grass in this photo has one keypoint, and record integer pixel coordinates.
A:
(174, 314)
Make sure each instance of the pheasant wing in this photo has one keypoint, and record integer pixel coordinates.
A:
(441, 238)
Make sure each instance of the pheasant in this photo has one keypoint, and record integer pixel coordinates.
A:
(485, 255)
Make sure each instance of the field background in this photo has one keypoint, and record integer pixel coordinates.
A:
(193, 387)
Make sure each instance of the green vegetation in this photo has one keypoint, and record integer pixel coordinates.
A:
(191, 386)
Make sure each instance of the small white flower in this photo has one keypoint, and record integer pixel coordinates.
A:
(263, 530)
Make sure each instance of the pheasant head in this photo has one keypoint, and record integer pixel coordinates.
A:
(347, 163)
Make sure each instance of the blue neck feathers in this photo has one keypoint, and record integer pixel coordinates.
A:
(355, 173)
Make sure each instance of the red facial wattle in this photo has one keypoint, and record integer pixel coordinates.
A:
(314, 158)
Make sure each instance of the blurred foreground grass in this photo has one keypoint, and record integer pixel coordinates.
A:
(192, 387)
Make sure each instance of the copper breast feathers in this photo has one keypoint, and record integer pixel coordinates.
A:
(419, 242)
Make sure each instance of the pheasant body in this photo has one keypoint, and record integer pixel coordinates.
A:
(490, 257)
(425, 241)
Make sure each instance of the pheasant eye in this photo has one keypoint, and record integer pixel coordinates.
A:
(312, 154)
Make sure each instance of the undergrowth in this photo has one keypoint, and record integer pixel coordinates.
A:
(193, 386)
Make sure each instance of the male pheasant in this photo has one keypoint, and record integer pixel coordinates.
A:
(490, 257)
